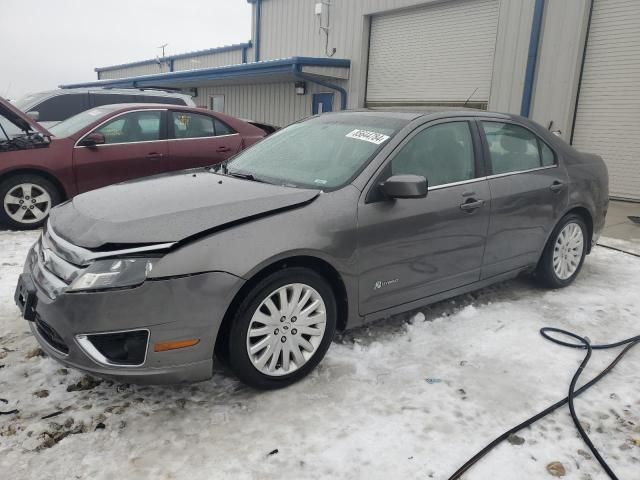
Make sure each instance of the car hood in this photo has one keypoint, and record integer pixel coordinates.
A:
(20, 119)
(168, 208)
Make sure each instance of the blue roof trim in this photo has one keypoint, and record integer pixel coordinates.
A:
(170, 58)
(287, 65)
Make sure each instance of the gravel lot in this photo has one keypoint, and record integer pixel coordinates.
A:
(411, 397)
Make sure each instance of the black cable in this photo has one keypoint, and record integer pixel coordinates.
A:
(584, 344)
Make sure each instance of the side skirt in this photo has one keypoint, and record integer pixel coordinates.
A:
(405, 307)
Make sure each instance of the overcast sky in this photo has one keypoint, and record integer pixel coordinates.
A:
(45, 43)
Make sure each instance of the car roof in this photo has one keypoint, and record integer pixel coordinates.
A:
(412, 113)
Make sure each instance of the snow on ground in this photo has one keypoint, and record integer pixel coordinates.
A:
(412, 397)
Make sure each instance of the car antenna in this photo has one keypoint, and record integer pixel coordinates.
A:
(467, 100)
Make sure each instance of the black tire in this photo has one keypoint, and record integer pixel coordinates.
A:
(238, 356)
(10, 183)
(545, 272)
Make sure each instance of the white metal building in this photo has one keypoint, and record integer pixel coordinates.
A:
(571, 64)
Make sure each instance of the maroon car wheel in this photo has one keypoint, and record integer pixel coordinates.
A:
(26, 201)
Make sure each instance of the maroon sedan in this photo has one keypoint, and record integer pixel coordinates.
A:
(109, 144)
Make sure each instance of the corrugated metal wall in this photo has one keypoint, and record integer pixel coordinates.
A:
(290, 27)
(559, 62)
(273, 103)
(134, 71)
(230, 57)
(220, 59)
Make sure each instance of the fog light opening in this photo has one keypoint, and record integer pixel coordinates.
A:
(166, 346)
(120, 349)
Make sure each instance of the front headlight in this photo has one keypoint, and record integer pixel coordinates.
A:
(114, 273)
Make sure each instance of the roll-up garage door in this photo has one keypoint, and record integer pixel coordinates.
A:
(435, 55)
(608, 115)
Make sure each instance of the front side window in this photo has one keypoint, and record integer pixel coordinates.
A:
(323, 152)
(192, 125)
(442, 154)
(513, 148)
(132, 127)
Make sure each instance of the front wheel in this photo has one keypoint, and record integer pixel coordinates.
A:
(26, 201)
(283, 329)
(564, 254)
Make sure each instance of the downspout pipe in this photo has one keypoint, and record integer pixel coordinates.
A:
(532, 58)
(297, 72)
(256, 46)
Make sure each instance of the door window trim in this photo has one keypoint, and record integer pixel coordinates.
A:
(372, 195)
(487, 153)
(163, 131)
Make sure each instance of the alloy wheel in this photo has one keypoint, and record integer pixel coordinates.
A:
(567, 251)
(27, 203)
(286, 329)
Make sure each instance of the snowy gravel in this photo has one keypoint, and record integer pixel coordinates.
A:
(411, 397)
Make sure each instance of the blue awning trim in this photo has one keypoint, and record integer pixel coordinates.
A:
(268, 67)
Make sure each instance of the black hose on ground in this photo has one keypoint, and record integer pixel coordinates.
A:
(584, 344)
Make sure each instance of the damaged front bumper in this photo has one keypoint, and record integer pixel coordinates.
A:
(112, 333)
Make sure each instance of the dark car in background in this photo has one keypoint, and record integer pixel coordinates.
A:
(40, 168)
(327, 224)
(54, 106)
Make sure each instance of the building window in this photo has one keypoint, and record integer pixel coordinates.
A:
(216, 103)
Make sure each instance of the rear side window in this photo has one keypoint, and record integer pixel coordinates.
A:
(61, 107)
(442, 154)
(514, 149)
(222, 128)
(192, 125)
(99, 99)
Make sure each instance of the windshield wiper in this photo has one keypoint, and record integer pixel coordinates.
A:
(244, 176)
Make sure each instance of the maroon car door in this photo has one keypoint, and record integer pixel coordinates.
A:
(200, 139)
(134, 146)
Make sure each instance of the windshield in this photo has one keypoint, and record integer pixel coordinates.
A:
(77, 122)
(324, 152)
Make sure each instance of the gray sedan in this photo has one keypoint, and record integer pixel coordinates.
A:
(328, 224)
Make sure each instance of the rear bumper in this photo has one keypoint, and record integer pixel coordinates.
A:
(170, 309)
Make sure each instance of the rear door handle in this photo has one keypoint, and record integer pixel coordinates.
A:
(223, 149)
(556, 186)
(154, 156)
(471, 204)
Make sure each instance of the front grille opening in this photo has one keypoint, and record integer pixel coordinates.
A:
(123, 348)
(51, 336)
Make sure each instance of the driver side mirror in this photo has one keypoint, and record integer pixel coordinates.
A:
(92, 140)
(34, 115)
(405, 186)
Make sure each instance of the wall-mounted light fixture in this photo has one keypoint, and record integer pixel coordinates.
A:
(301, 88)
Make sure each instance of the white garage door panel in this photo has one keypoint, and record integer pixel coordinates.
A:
(608, 116)
(440, 53)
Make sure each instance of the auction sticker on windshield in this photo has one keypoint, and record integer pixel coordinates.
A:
(368, 136)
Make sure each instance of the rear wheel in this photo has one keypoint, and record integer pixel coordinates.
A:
(283, 329)
(564, 254)
(26, 201)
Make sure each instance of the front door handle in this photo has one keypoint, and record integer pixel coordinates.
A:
(471, 205)
(556, 186)
(154, 156)
(223, 149)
